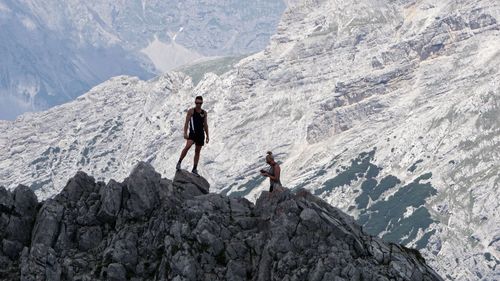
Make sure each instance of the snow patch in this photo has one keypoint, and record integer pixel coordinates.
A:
(166, 57)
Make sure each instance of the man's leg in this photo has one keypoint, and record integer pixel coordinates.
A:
(197, 156)
(184, 152)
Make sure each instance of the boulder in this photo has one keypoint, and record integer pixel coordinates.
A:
(111, 200)
(6, 202)
(25, 202)
(144, 190)
(116, 272)
(12, 249)
(190, 184)
(46, 228)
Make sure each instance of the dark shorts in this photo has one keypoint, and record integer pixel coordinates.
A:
(198, 138)
(274, 186)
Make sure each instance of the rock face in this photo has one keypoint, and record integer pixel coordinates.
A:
(149, 228)
(17, 217)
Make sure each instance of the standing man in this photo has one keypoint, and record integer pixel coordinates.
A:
(198, 126)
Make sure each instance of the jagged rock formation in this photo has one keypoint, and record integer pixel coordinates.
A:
(151, 228)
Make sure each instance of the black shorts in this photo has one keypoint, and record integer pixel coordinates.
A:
(198, 138)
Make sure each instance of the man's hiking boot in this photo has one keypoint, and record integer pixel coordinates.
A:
(178, 166)
(195, 171)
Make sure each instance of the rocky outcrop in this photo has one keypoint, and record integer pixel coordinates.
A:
(17, 216)
(150, 228)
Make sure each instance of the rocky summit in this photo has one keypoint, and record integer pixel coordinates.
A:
(152, 228)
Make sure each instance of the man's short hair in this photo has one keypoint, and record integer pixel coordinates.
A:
(199, 98)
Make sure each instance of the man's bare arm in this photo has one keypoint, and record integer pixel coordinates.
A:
(188, 116)
(277, 171)
(205, 126)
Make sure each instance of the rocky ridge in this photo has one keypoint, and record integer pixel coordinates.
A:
(152, 228)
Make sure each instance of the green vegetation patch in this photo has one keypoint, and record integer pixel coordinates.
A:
(414, 166)
(422, 242)
(218, 66)
(388, 215)
(247, 187)
(366, 187)
(39, 184)
(358, 168)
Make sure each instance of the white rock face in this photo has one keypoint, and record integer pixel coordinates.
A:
(390, 111)
(166, 57)
(53, 51)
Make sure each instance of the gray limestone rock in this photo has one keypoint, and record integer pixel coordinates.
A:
(111, 201)
(116, 272)
(147, 230)
(190, 184)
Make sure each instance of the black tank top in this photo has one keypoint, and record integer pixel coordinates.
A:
(196, 122)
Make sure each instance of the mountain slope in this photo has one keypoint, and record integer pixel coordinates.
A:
(387, 110)
(54, 51)
(150, 228)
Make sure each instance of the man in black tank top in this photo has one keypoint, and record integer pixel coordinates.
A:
(196, 121)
